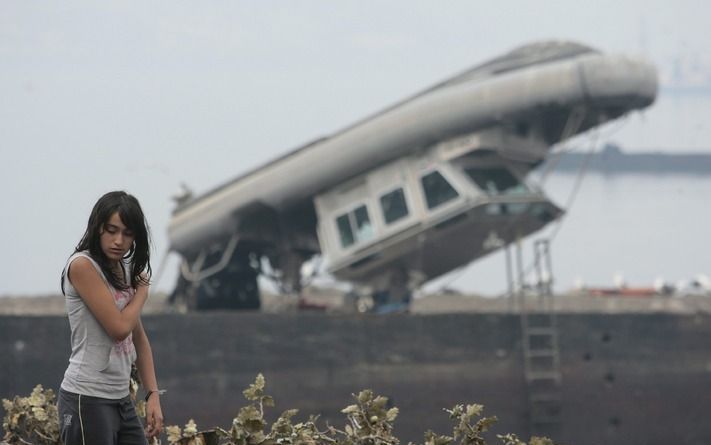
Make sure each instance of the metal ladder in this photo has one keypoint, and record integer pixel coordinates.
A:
(541, 352)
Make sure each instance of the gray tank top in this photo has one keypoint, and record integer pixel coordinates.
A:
(98, 365)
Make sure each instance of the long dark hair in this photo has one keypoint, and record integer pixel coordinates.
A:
(138, 256)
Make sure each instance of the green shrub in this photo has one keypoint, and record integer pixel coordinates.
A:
(31, 419)
(369, 421)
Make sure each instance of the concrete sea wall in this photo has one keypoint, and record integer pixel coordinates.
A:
(627, 378)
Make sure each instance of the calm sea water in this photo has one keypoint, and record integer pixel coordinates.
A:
(641, 227)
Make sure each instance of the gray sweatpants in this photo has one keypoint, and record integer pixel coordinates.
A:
(85, 420)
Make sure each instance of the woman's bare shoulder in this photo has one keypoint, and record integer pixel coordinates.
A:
(82, 268)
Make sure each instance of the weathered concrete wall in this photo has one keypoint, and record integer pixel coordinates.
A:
(626, 378)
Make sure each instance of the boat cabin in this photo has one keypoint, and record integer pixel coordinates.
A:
(448, 199)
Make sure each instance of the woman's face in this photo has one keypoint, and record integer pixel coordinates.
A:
(116, 238)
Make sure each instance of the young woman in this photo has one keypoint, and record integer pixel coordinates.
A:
(105, 283)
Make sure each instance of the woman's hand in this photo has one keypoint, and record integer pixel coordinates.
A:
(154, 416)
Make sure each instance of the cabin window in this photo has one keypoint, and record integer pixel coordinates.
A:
(494, 180)
(394, 206)
(354, 226)
(437, 189)
(344, 230)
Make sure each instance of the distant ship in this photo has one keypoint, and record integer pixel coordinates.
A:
(613, 160)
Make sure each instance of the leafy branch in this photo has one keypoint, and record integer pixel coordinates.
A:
(369, 421)
(31, 420)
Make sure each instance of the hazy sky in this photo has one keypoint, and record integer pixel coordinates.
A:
(142, 96)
